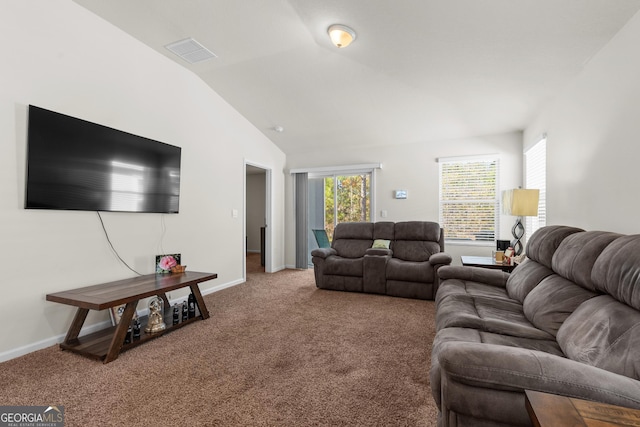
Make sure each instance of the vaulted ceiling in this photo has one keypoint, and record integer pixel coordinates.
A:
(419, 70)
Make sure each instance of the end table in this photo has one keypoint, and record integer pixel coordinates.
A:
(485, 262)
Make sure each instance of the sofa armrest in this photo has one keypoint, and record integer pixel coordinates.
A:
(323, 252)
(487, 276)
(379, 252)
(440, 258)
(438, 261)
(503, 368)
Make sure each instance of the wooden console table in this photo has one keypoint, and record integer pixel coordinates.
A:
(550, 410)
(107, 344)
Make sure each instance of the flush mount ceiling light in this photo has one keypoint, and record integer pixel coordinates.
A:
(341, 35)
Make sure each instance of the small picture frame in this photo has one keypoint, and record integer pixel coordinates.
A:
(117, 312)
(508, 253)
(164, 263)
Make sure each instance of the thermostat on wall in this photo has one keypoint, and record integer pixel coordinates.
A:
(401, 194)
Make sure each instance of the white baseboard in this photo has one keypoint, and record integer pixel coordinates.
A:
(293, 267)
(221, 287)
(48, 342)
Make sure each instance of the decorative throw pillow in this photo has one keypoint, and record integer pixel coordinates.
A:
(381, 244)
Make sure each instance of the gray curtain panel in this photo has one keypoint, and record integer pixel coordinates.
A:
(301, 190)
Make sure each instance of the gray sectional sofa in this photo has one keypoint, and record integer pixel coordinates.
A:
(566, 321)
(407, 268)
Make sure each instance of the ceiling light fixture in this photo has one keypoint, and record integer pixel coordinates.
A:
(341, 35)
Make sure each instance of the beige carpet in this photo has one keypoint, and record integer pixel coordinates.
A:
(275, 352)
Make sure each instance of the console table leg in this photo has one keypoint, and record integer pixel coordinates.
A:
(195, 290)
(76, 325)
(121, 330)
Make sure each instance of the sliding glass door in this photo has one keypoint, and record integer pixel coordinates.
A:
(347, 199)
(326, 196)
(338, 198)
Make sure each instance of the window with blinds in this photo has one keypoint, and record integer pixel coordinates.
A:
(536, 177)
(469, 203)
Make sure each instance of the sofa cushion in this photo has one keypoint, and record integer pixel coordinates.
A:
(577, 254)
(549, 304)
(404, 289)
(474, 335)
(351, 248)
(384, 230)
(339, 266)
(545, 241)
(617, 270)
(416, 240)
(603, 333)
(524, 278)
(343, 283)
(483, 282)
(408, 271)
(456, 280)
(487, 314)
(352, 239)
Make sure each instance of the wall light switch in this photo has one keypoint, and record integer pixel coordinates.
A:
(383, 214)
(234, 213)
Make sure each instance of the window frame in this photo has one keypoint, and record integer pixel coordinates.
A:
(535, 176)
(495, 201)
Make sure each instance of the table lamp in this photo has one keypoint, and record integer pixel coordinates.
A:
(519, 203)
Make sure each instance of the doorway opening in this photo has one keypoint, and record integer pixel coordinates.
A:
(257, 219)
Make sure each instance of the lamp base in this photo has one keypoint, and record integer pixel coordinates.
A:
(518, 233)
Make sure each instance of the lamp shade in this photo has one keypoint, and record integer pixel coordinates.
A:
(520, 202)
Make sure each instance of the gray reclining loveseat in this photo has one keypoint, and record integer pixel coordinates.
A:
(405, 268)
(566, 321)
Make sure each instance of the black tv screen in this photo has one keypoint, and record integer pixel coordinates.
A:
(73, 164)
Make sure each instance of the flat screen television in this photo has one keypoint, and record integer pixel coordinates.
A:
(73, 164)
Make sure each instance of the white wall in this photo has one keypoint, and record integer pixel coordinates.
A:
(413, 167)
(593, 145)
(61, 57)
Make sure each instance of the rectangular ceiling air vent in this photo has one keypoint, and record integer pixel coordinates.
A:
(191, 51)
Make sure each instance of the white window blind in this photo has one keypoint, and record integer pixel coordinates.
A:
(536, 177)
(469, 200)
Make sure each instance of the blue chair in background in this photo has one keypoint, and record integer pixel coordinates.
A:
(321, 238)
